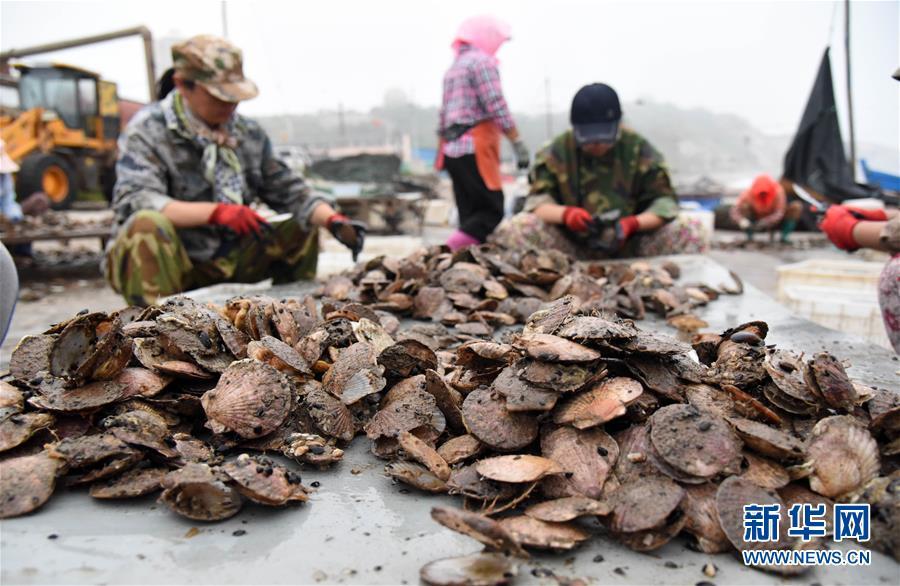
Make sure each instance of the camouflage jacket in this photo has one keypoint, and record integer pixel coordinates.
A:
(631, 177)
(157, 165)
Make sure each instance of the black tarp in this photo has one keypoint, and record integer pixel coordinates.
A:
(816, 158)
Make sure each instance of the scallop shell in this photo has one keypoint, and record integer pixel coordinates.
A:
(479, 527)
(18, 428)
(355, 374)
(543, 535)
(518, 468)
(448, 400)
(251, 399)
(417, 450)
(486, 418)
(278, 354)
(766, 440)
(330, 415)
(460, 448)
(604, 402)
(702, 520)
(480, 569)
(550, 348)
(842, 455)
(201, 493)
(586, 456)
(520, 394)
(407, 358)
(567, 509)
(31, 356)
(134, 483)
(416, 476)
(644, 504)
(693, 442)
(263, 481)
(26, 483)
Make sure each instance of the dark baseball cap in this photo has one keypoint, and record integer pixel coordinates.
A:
(596, 114)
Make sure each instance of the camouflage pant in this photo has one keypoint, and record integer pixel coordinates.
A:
(147, 260)
(680, 236)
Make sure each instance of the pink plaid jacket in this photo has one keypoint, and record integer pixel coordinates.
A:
(472, 94)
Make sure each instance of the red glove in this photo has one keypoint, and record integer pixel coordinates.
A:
(868, 215)
(239, 218)
(838, 225)
(629, 226)
(576, 219)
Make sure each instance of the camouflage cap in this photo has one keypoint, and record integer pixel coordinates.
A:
(215, 64)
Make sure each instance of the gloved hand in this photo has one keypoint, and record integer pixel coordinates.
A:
(744, 224)
(576, 219)
(838, 225)
(348, 232)
(627, 226)
(859, 213)
(523, 159)
(239, 218)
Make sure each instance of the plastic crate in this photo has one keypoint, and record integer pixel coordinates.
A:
(837, 294)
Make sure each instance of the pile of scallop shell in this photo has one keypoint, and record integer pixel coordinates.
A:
(578, 424)
(479, 289)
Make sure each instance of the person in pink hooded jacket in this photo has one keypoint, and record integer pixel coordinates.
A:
(474, 114)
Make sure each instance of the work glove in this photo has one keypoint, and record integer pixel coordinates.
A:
(876, 215)
(350, 233)
(626, 228)
(239, 218)
(576, 219)
(523, 159)
(744, 224)
(838, 225)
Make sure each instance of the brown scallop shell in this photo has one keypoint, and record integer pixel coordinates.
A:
(26, 483)
(191, 449)
(407, 358)
(795, 493)
(417, 450)
(567, 508)
(278, 354)
(486, 417)
(550, 348)
(466, 481)
(550, 317)
(133, 483)
(153, 356)
(587, 457)
(18, 428)
(604, 402)
(31, 356)
(787, 371)
(460, 448)
(416, 476)
(763, 472)
(405, 413)
(532, 532)
(479, 527)
(480, 569)
(251, 399)
(431, 303)
(312, 449)
(263, 481)
(330, 415)
(563, 378)
(644, 504)
(355, 374)
(826, 377)
(842, 455)
(692, 441)
(517, 468)
(766, 440)
(448, 399)
(702, 520)
(372, 332)
(522, 395)
(141, 428)
(732, 496)
(201, 493)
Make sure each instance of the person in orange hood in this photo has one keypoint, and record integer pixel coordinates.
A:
(764, 207)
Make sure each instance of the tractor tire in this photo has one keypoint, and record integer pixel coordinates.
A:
(50, 174)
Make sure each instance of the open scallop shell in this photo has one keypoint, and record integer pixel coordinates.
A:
(480, 569)
(842, 456)
(201, 493)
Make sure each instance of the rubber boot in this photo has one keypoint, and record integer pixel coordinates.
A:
(787, 227)
(749, 232)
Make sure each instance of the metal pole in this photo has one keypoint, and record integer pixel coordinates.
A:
(849, 91)
(141, 31)
(224, 19)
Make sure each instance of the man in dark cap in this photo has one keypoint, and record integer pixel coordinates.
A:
(600, 190)
(188, 167)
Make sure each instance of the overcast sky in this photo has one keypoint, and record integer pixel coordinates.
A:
(754, 59)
